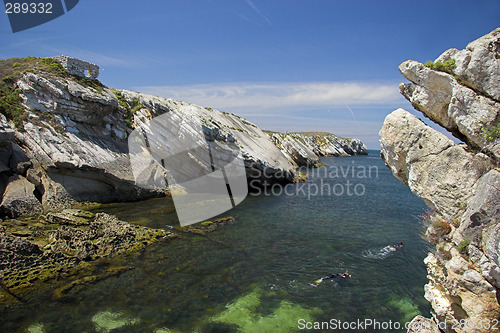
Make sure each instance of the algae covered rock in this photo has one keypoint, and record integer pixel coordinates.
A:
(105, 236)
(23, 261)
(243, 314)
(70, 217)
(208, 226)
(106, 321)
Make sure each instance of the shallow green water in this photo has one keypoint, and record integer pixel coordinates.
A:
(258, 274)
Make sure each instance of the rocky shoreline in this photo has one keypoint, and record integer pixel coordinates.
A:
(460, 183)
(63, 142)
(306, 148)
(61, 245)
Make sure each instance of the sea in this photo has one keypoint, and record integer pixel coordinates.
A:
(263, 272)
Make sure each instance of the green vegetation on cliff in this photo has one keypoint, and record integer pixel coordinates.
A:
(130, 108)
(492, 134)
(446, 66)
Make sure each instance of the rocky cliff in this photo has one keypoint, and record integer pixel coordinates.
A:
(63, 138)
(460, 91)
(305, 148)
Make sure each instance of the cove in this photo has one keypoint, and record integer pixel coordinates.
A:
(258, 274)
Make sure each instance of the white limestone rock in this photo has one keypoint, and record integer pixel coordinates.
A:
(435, 169)
(459, 109)
(478, 65)
(6, 131)
(295, 149)
(461, 183)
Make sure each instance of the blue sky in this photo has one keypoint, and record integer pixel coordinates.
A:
(312, 65)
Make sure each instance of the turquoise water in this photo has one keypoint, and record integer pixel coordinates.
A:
(258, 275)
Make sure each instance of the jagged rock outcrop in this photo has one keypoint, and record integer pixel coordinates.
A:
(466, 112)
(105, 236)
(477, 66)
(306, 148)
(230, 131)
(435, 169)
(297, 150)
(460, 182)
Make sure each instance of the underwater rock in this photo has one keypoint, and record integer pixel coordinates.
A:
(35, 328)
(243, 313)
(107, 321)
(208, 226)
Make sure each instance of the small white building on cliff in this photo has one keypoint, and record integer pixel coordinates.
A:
(78, 67)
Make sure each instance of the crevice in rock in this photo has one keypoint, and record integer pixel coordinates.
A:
(38, 194)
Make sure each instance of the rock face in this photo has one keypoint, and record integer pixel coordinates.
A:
(465, 101)
(477, 66)
(435, 169)
(306, 148)
(229, 131)
(459, 182)
(74, 144)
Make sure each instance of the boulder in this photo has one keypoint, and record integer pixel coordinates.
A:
(19, 198)
(70, 217)
(435, 169)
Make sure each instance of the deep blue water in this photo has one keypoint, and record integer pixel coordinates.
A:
(258, 275)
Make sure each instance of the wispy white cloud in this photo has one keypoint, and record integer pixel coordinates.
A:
(298, 106)
(248, 96)
(31, 41)
(350, 110)
(259, 12)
